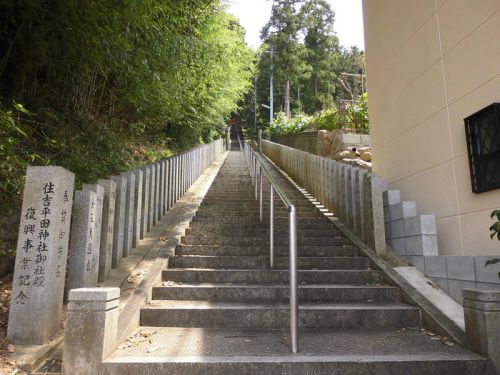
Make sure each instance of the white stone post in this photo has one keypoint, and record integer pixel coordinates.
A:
(146, 188)
(118, 232)
(42, 250)
(91, 329)
(108, 219)
(139, 176)
(374, 212)
(83, 265)
(482, 323)
(129, 214)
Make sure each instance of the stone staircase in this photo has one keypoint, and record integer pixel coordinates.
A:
(221, 309)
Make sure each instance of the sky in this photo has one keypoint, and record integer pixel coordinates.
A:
(254, 14)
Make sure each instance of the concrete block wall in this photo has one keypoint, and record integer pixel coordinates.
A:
(414, 237)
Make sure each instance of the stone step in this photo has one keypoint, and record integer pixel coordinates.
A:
(262, 240)
(253, 210)
(280, 226)
(275, 293)
(282, 231)
(171, 313)
(237, 276)
(303, 251)
(201, 351)
(255, 219)
(262, 262)
(254, 215)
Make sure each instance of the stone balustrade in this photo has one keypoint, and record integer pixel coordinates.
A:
(108, 219)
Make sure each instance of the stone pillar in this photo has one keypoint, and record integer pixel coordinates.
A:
(146, 188)
(168, 185)
(137, 207)
(157, 193)
(165, 187)
(42, 251)
(91, 329)
(107, 229)
(161, 193)
(259, 139)
(359, 219)
(99, 190)
(482, 323)
(129, 214)
(83, 265)
(374, 212)
(118, 232)
(152, 194)
(228, 139)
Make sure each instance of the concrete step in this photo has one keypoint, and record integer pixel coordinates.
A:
(280, 226)
(216, 209)
(260, 262)
(201, 351)
(254, 214)
(280, 231)
(262, 240)
(238, 276)
(278, 293)
(172, 313)
(255, 219)
(303, 251)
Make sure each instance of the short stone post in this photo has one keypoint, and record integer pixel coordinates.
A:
(146, 187)
(91, 329)
(129, 214)
(152, 194)
(99, 190)
(482, 323)
(259, 139)
(42, 251)
(118, 232)
(107, 229)
(161, 204)
(359, 223)
(83, 264)
(157, 193)
(374, 212)
(137, 207)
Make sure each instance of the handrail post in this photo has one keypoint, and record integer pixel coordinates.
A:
(271, 227)
(260, 197)
(294, 308)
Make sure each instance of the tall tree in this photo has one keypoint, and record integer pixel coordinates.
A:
(282, 32)
(323, 54)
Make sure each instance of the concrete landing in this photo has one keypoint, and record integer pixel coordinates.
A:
(188, 350)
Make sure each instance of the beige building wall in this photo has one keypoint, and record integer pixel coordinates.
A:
(430, 64)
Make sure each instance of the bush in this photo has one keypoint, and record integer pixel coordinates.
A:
(283, 125)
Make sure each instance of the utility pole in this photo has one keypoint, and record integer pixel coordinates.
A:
(271, 93)
(255, 104)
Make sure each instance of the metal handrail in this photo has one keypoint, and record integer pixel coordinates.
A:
(256, 165)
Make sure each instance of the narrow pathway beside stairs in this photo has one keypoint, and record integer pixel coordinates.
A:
(220, 309)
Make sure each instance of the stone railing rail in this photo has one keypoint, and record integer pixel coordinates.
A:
(91, 230)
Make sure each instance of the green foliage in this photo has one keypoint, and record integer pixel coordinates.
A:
(328, 119)
(495, 228)
(495, 232)
(284, 125)
(113, 83)
(357, 114)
